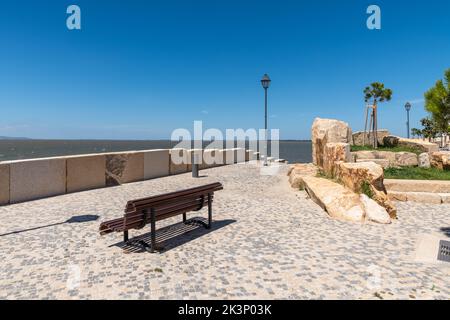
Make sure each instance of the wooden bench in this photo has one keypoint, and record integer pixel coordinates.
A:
(140, 212)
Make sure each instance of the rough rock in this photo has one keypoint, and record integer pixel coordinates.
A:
(335, 152)
(424, 146)
(335, 199)
(424, 160)
(327, 131)
(406, 159)
(298, 171)
(391, 141)
(355, 175)
(358, 137)
(440, 160)
(374, 212)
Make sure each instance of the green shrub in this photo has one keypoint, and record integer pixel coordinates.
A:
(366, 189)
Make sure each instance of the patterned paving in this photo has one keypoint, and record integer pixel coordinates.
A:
(268, 242)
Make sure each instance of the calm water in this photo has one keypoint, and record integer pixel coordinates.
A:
(293, 151)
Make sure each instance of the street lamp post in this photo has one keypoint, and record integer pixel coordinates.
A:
(407, 108)
(265, 81)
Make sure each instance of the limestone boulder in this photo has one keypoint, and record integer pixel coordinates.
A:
(406, 159)
(363, 177)
(391, 141)
(327, 131)
(440, 160)
(424, 160)
(354, 175)
(360, 138)
(335, 199)
(335, 152)
(298, 171)
(421, 145)
(418, 144)
(374, 212)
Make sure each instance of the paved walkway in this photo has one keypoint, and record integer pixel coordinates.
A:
(268, 242)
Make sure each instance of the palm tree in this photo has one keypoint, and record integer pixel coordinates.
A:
(437, 103)
(416, 132)
(374, 94)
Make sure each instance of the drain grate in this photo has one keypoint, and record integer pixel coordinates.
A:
(444, 251)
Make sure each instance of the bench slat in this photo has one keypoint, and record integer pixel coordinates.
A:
(154, 200)
(164, 206)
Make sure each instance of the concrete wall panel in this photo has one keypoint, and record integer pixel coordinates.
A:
(156, 164)
(178, 161)
(85, 172)
(4, 184)
(37, 178)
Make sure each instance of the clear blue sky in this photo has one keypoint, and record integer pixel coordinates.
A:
(139, 69)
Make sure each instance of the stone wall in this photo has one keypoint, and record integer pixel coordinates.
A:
(25, 180)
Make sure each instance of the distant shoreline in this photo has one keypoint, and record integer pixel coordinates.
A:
(291, 150)
(40, 139)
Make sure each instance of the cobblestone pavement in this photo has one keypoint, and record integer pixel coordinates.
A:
(268, 242)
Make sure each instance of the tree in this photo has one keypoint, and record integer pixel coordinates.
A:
(376, 93)
(429, 128)
(416, 132)
(437, 103)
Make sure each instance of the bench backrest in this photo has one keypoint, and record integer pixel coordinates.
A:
(137, 212)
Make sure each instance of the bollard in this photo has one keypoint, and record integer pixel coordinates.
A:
(195, 165)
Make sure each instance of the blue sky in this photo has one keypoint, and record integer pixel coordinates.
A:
(140, 69)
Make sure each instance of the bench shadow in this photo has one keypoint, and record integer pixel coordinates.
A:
(173, 236)
(74, 219)
(446, 231)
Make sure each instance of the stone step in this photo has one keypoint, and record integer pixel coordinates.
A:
(430, 186)
(421, 197)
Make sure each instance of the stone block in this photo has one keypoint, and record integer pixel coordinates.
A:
(124, 167)
(424, 197)
(178, 161)
(37, 178)
(156, 163)
(4, 184)
(85, 172)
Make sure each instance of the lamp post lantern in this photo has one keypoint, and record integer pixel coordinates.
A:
(265, 81)
(407, 108)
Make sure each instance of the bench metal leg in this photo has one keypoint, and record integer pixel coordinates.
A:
(209, 211)
(153, 230)
(184, 217)
(125, 236)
